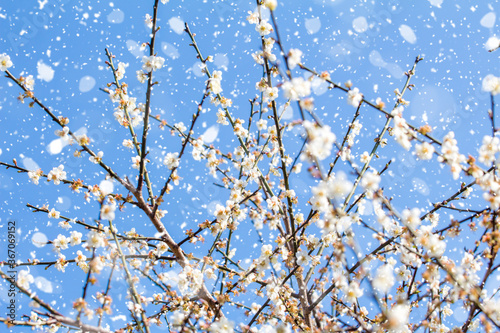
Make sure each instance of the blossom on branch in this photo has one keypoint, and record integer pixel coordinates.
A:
(5, 62)
(152, 63)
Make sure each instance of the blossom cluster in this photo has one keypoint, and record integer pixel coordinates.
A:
(326, 241)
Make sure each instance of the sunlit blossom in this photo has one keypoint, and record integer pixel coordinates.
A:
(5, 62)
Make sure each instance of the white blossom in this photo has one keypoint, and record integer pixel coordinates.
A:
(370, 181)
(320, 141)
(424, 151)
(354, 97)
(271, 4)
(61, 242)
(273, 203)
(28, 81)
(491, 84)
(96, 159)
(136, 162)
(24, 279)
(127, 143)
(384, 278)
(353, 291)
(450, 154)
(61, 263)
(253, 17)
(397, 318)
(224, 325)
(271, 94)
(75, 238)
(34, 176)
(152, 63)
(490, 146)
(221, 117)
(5, 62)
(57, 174)
(264, 28)
(171, 160)
(141, 76)
(294, 58)
(95, 239)
(492, 43)
(120, 70)
(108, 212)
(54, 214)
(296, 88)
(303, 258)
(148, 20)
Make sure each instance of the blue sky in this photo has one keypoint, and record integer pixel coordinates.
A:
(371, 43)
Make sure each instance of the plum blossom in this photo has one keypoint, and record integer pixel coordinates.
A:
(370, 181)
(152, 63)
(221, 117)
(320, 141)
(177, 319)
(353, 291)
(57, 174)
(54, 214)
(61, 243)
(148, 20)
(214, 82)
(491, 84)
(262, 124)
(490, 146)
(264, 28)
(271, 93)
(261, 85)
(424, 151)
(141, 76)
(401, 130)
(307, 103)
(273, 203)
(28, 82)
(24, 279)
(5, 62)
(62, 133)
(411, 218)
(95, 239)
(402, 273)
(294, 58)
(492, 43)
(335, 187)
(96, 159)
(108, 212)
(75, 238)
(384, 278)
(136, 162)
(127, 143)
(354, 97)
(451, 155)
(35, 176)
(171, 160)
(61, 263)
(189, 278)
(120, 70)
(303, 257)
(224, 325)
(296, 88)
(271, 4)
(253, 17)
(397, 318)
(434, 245)
(180, 126)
